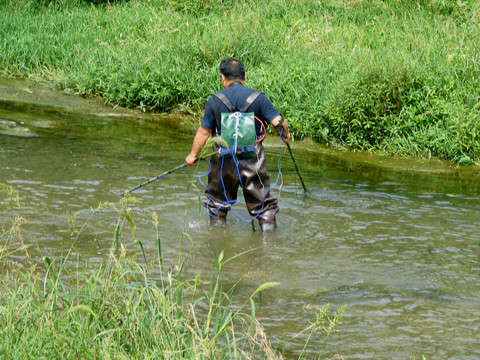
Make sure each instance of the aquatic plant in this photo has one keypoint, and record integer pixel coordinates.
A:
(11, 238)
(9, 194)
(111, 310)
(127, 306)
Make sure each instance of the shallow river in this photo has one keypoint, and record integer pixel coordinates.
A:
(396, 241)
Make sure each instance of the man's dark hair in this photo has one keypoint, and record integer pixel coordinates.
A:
(232, 69)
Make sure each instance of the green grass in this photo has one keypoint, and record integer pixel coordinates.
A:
(70, 308)
(397, 77)
(128, 306)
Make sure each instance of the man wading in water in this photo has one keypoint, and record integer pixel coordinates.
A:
(230, 111)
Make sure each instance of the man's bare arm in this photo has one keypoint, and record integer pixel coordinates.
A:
(280, 123)
(201, 137)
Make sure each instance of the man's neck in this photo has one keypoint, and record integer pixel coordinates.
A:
(226, 83)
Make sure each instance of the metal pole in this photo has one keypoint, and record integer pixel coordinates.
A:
(154, 179)
(296, 167)
(164, 174)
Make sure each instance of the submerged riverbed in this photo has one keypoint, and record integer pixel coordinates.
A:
(397, 241)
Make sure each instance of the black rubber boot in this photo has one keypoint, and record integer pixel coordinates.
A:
(268, 228)
(218, 221)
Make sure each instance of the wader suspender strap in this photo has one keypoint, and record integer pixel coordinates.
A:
(217, 117)
(250, 99)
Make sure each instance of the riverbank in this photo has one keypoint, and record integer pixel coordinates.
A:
(41, 98)
(397, 78)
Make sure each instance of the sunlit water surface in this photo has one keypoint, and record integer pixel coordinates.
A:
(399, 248)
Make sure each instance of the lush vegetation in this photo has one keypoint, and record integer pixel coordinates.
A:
(398, 77)
(128, 306)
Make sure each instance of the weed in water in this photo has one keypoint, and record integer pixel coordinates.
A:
(68, 307)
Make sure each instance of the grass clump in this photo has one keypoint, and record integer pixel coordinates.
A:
(126, 306)
(68, 309)
(367, 103)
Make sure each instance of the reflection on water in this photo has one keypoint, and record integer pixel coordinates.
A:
(399, 248)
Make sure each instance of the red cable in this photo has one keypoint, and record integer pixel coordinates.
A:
(264, 130)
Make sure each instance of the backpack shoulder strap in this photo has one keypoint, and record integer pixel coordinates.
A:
(225, 101)
(217, 117)
(251, 98)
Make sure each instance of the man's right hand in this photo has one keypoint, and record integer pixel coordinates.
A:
(199, 141)
(190, 160)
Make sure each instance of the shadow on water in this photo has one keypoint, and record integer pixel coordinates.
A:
(397, 241)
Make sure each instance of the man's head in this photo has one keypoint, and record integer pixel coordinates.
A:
(232, 69)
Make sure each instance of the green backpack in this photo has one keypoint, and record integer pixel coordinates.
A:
(237, 128)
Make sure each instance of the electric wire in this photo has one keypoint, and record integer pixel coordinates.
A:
(228, 203)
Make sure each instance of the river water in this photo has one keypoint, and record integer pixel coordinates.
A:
(396, 241)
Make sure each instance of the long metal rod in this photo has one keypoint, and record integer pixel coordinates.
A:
(296, 167)
(154, 179)
(164, 174)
